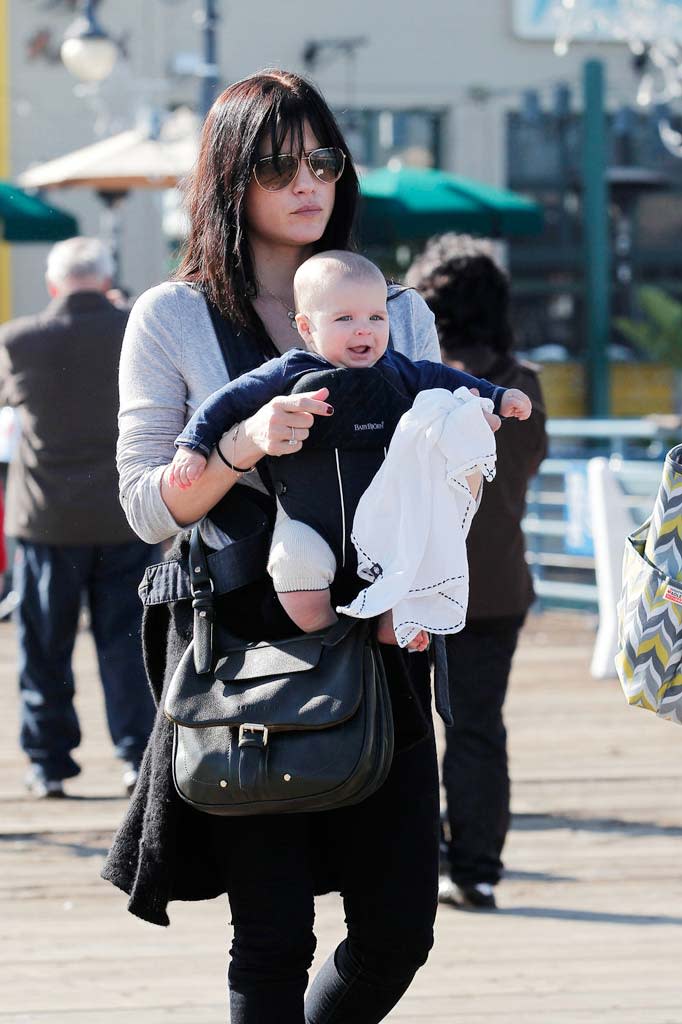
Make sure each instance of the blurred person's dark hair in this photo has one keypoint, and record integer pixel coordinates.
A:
(273, 105)
(468, 293)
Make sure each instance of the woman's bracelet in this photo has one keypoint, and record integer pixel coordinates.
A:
(231, 465)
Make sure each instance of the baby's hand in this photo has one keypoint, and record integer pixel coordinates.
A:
(493, 421)
(515, 405)
(186, 468)
(386, 634)
(420, 642)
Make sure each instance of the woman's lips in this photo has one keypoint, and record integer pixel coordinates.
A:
(309, 210)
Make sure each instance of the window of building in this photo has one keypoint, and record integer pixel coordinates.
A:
(543, 160)
(379, 136)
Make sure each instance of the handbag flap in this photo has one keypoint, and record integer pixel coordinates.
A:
(266, 659)
(301, 683)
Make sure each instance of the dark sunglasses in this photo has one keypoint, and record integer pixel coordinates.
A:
(275, 172)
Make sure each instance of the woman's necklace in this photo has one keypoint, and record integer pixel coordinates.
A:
(291, 313)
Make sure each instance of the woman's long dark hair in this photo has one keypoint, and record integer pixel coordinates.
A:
(274, 105)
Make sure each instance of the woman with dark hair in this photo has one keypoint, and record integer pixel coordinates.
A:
(274, 184)
(469, 295)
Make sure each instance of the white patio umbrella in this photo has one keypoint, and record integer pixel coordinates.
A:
(138, 158)
(144, 158)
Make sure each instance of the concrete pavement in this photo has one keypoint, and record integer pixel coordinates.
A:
(591, 912)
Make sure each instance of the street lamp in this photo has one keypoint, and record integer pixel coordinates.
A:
(90, 53)
(209, 75)
(87, 52)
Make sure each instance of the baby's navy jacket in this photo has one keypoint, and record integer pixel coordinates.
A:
(244, 396)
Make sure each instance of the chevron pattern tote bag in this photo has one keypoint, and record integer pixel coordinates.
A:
(649, 659)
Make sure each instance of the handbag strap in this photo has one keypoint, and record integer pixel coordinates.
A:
(202, 589)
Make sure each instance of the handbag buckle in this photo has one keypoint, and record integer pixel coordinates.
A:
(248, 733)
(199, 590)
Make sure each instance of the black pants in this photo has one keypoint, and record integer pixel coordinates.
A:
(387, 847)
(475, 773)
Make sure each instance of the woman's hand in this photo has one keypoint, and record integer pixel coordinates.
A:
(283, 424)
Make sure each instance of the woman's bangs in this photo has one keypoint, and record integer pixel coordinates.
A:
(285, 126)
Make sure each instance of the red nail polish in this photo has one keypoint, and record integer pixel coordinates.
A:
(330, 410)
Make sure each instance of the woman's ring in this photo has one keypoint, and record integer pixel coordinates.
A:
(292, 440)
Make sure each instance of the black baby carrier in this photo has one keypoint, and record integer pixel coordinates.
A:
(322, 483)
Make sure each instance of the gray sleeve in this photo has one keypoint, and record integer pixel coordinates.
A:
(7, 390)
(152, 410)
(413, 327)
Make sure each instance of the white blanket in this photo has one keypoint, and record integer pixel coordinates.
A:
(411, 523)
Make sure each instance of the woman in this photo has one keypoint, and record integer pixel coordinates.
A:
(469, 296)
(274, 184)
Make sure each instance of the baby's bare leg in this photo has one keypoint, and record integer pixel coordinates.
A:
(302, 566)
(474, 481)
(385, 631)
(309, 609)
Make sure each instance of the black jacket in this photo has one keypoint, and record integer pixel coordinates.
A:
(500, 584)
(60, 371)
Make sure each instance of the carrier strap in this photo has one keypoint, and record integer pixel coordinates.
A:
(441, 681)
(241, 353)
(240, 350)
(235, 565)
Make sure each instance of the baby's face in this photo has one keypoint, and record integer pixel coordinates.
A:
(349, 324)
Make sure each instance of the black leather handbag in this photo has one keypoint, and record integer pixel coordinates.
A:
(301, 724)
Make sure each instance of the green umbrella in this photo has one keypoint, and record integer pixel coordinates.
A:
(414, 203)
(26, 218)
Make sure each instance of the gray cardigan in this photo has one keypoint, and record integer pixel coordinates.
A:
(171, 362)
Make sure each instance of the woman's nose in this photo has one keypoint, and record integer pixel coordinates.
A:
(305, 180)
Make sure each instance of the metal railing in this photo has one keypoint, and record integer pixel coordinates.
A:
(556, 525)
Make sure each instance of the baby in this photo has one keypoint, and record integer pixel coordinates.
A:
(343, 321)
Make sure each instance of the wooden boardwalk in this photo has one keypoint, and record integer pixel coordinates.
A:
(590, 924)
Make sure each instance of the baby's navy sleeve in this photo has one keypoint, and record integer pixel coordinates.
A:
(422, 375)
(232, 404)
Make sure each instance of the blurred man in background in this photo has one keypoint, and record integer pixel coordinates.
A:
(469, 295)
(59, 371)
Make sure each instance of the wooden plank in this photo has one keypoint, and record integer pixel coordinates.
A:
(590, 910)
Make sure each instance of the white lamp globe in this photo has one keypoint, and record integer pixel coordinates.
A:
(89, 59)
(87, 52)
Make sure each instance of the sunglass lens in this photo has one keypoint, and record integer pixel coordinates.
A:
(276, 172)
(327, 164)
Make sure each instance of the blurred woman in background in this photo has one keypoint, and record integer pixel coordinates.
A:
(469, 295)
